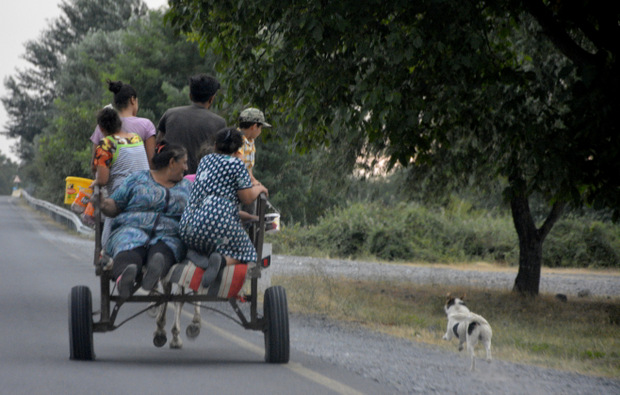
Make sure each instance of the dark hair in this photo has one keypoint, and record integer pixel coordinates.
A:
(165, 151)
(108, 120)
(247, 125)
(122, 93)
(228, 141)
(202, 87)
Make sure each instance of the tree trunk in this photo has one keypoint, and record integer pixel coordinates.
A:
(530, 238)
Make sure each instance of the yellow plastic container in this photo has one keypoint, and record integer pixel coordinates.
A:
(73, 186)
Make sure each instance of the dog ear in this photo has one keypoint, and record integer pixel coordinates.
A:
(463, 297)
(448, 296)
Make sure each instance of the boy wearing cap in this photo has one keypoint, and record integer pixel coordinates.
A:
(251, 123)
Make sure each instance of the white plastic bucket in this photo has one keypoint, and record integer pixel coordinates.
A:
(272, 222)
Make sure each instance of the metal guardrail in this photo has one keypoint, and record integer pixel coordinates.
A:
(59, 214)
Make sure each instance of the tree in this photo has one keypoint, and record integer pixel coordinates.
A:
(463, 89)
(29, 103)
(8, 171)
(144, 54)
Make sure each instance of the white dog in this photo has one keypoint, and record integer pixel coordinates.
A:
(468, 327)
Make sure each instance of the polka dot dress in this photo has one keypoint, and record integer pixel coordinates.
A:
(211, 220)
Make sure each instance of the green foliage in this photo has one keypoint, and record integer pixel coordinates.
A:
(579, 242)
(455, 89)
(65, 151)
(415, 233)
(8, 171)
(146, 55)
(32, 91)
(408, 232)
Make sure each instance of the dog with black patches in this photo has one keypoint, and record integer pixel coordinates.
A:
(468, 327)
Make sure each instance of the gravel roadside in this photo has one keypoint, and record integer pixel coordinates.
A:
(415, 368)
(570, 284)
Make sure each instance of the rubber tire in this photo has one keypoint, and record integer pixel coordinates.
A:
(275, 310)
(81, 324)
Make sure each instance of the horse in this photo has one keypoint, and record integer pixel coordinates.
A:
(186, 279)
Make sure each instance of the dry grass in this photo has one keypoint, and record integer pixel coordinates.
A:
(580, 335)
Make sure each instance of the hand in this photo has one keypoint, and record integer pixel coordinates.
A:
(263, 189)
(98, 198)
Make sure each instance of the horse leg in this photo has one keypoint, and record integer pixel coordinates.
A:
(159, 337)
(176, 341)
(193, 330)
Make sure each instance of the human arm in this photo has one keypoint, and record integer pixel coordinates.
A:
(102, 176)
(246, 217)
(149, 146)
(93, 167)
(102, 161)
(247, 192)
(95, 138)
(254, 180)
(248, 195)
(122, 196)
(109, 207)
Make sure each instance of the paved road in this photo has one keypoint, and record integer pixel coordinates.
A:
(39, 263)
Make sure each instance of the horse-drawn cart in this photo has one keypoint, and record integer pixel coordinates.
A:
(273, 322)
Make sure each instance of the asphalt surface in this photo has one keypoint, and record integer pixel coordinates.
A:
(40, 262)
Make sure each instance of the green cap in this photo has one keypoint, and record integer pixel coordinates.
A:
(253, 115)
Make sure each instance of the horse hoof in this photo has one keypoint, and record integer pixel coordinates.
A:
(192, 331)
(176, 345)
(159, 340)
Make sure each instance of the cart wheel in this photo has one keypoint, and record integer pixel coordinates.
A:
(81, 324)
(275, 310)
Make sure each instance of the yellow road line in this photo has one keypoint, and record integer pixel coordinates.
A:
(295, 367)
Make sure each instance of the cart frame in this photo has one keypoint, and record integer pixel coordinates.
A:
(273, 323)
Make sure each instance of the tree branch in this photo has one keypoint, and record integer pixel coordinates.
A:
(557, 34)
(552, 218)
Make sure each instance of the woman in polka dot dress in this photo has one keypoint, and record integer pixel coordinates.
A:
(211, 219)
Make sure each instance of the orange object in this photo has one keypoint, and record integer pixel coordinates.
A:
(90, 210)
(81, 200)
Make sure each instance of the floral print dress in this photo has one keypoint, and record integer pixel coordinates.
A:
(141, 200)
(211, 220)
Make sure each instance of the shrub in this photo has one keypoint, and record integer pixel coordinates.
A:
(415, 233)
(580, 242)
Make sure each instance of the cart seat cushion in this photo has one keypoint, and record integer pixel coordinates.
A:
(227, 284)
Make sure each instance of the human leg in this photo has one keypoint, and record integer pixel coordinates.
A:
(127, 265)
(160, 259)
(126, 258)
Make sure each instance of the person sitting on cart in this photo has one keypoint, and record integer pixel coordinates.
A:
(118, 155)
(211, 219)
(147, 209)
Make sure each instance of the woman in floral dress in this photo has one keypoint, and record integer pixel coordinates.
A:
(147, 208)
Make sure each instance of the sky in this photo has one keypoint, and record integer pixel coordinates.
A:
(21, 21)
